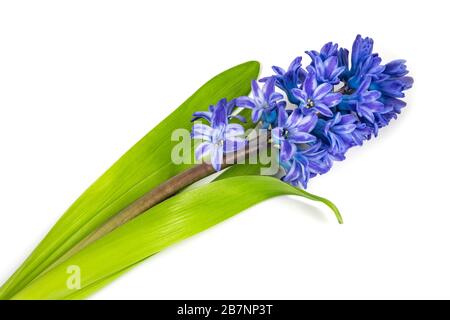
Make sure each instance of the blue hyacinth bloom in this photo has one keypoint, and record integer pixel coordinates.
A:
(326, 71)
(292, 129)
(364, 102)
(263, 102)
(338, 132)
(330, 49)
(396, 68)
(219, 138)
(325, 64)
(307, 162)
(370, 67)
(342, 55)
(316, 98)
(393, 87)
(290, 79)
(207, 115)
(342, 100)
(362, 49)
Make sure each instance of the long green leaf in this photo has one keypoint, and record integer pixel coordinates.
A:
(234, 171)
(85, 292)
(169, 222)
(143, 167)
(255, 170)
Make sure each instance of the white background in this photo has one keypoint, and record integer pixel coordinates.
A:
(82, 81)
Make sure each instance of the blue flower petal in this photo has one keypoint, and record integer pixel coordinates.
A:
(256, 115)
(322, 90)
(344, 128)
(202, 115)
(310, 84)
(217, 157)
(245, 102)
(330, 65)
(323, 109)
(331, 99)
(255, 88)
(201, 131)
(287, 150)
(203, 150)
(301, 95)
(269, 88)
(279, 71)
(234, 129)
(298, 136)
(233, 144)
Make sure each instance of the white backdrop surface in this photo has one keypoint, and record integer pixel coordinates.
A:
(81, 82)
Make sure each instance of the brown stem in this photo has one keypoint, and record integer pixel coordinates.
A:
(161, 193)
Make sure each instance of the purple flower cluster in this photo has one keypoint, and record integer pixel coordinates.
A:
(333, 104)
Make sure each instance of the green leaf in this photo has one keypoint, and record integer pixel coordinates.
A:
(96, 286)
(169, 222)
(143, 167)
(240, 170)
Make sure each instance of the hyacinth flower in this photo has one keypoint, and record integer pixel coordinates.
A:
(325, 64)
(290, 79)
(370, 68)
(306, 162)
(327, 71)
(328, 50)
(291, 130)
(219, 138)
(229, 107)
(263, 102)
(141, 205)
(361, 51)
(339, 133)
(314, 98)
(364, 102)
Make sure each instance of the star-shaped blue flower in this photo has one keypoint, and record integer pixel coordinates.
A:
(219, 138)
(289, 79)
(229, 106)
(364, 102)
(263, 101)
(308, 161)
(362, 48)
(328, 50)
(316, 98)
(325, 64)
(370, 67)
(339, 132)
(327, 71)
(292, 129)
